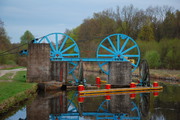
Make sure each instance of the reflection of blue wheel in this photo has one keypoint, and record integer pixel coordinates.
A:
(119, 47)
(62, 46)
(103, 106)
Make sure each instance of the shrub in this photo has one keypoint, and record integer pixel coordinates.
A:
(153, 59)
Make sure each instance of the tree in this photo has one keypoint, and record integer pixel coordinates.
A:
(5, 56)
(146, 33)
(4, 39)
(27, 37)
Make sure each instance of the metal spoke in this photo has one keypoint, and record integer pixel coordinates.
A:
(131, 63)
(118, 43)
(122, 48)
(52, 47)
(103, 63)
(68, 48)
(73, 63)
(112, 45)
(129, 49)
(131, 55)
(63, 43)
(107, 49)
(56, 41)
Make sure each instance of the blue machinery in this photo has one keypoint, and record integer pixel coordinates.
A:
(115, 47)
(102, 113)
(98, 115)
(23, 52)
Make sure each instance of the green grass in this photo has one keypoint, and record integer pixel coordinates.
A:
(20, 76)
(7, 76)
(10, 89)
(16, 90)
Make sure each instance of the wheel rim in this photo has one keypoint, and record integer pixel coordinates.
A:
(62, 46)
(144, 73)
(119, 47)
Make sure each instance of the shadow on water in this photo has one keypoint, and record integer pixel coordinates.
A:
(69, 105)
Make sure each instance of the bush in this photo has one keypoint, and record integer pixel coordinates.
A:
(10, 62)
(153, 59)
(170, 55)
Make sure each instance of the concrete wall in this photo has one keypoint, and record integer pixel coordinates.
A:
(39, 109)
(44, 105)
(120, 73)
(39, 65)
(59, 71)
(120, 104)
(59, 104)
(40, 68)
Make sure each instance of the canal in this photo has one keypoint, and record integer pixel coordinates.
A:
(69, 105)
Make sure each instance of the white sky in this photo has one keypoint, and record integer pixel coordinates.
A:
(42, 17)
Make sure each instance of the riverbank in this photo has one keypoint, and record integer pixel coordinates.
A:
(14, 89)
(163, 74)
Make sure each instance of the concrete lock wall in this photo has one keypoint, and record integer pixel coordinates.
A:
(59, 71)
(120, 104)
(44, 105)
(40, 68)
(120, 73)
(39, 64)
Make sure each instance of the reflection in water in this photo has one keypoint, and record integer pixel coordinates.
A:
(144, 104)
(59, 106)
(51, 105)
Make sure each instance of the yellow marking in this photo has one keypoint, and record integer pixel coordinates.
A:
(119, 93)
(120, 89)
(103, 81)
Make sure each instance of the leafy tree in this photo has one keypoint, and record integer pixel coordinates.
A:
(146, 33)
(26, 37)
(4, 39)
(169, 25)
(153, 59)
(156, 28)
(4, 44)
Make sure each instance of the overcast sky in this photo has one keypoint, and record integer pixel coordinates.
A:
(42, 17)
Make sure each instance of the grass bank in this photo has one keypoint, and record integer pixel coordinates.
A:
(15, 91)
(11, 68)
(163, 74)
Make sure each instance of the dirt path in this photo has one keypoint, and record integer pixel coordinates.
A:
(13, 71)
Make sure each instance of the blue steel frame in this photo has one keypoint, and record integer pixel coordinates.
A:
(118, 51)
(58, 50)
(23, 52)
(102, 113)
(99, 115)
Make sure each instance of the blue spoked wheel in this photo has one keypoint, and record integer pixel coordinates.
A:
(62, 46)
(119, 47)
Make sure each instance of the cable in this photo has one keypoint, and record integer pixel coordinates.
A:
(96, 37)
(5, 52)
(9, 53)
(13, 48)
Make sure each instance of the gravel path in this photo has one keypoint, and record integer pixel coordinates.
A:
(14, 71)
